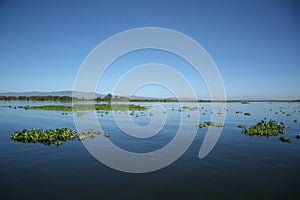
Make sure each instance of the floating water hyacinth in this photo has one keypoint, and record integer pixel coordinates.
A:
(91, 133)
(247, 114)
(264, 128)
(209, 123)
(53, 136)
(241, 126)
(285, 139)
(47, 137)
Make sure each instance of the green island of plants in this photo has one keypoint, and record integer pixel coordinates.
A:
(264, 128)
(53, 136)
(81, 107)
(46, 137)
(209, 123)
(285, 139)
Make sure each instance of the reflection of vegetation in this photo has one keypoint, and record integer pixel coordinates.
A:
(47, 137)
(81, 107)
(209, 123)
(264, 128)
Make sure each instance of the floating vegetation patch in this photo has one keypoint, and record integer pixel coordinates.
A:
(46, 137)
(244, 102)
(106, 135)
(298, 136)
(241, 126)
(264, 128)
(91, 133)
(188, 108)
(247, 114)
(238, 112)
(285, 139)
(53, 136)
(81, 107)
(209, 123)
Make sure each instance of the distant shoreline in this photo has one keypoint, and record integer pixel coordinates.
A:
(124, 99)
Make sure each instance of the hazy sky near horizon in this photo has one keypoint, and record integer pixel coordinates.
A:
(255, 44)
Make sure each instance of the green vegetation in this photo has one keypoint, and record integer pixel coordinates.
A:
(285, 139)
(241, 126)
(91, 133)
(80, 107)
(298, 136)
(238, 112)
(264, 128)
(209, 123)
(188, 108)
(244, 102)
(47, 137)
(37, 98)
(53, 136)
(247, 114)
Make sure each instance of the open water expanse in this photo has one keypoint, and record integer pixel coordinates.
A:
(238, 167)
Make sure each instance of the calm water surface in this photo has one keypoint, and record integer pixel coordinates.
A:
(239, 166)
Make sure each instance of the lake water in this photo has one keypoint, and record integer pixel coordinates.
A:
(238, 167)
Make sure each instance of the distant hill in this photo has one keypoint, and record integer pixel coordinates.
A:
(68, 93)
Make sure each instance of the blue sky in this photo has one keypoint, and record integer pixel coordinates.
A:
(255, 44)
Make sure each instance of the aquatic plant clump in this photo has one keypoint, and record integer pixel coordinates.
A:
(264, 128)
(285, 139)
(91, 133)
(82, 107)
(53, 136)
(209, 123)
(46, 137)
